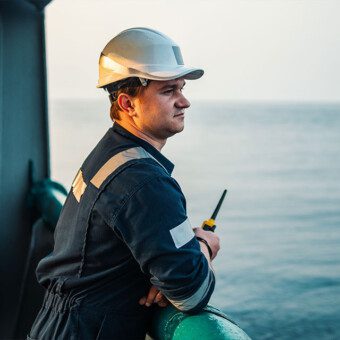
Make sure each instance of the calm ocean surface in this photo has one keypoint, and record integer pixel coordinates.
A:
(278, 272)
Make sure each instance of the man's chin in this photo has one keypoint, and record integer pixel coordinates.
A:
(177, 129)
(171, 131)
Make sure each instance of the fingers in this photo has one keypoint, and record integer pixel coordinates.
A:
(142, 300)
(158, 297)
(151, 296)
(154, 296)
(161, 300)
(148, 300)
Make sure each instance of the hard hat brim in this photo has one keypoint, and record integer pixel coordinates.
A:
(152, 73)
(184, 71)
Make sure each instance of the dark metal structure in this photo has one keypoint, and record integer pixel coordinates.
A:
(24, 147)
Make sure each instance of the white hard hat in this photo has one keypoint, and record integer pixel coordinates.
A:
(144, 53)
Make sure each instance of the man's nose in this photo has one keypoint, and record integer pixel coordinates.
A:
(182, 102)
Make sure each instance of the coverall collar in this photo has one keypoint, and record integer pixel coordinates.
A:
(169, 166)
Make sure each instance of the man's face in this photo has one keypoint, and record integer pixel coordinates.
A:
(160, 108)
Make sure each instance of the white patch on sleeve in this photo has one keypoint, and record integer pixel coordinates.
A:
(182, 234)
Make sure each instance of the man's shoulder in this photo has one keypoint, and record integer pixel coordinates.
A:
(146, 167)
(146, 176)
(143, 181)
(140, 172)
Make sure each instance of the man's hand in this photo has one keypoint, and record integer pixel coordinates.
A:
(154, 296)
(212, 239)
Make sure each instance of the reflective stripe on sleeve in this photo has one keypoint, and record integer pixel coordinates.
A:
(116, 161)
(192, 301)
(182, 234)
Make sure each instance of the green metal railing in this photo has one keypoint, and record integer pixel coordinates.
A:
(210, 324)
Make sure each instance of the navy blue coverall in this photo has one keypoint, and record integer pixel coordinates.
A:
(123, 227)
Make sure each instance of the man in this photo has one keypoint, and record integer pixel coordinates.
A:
(123, 243)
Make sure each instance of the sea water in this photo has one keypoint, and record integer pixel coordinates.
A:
(278, 270)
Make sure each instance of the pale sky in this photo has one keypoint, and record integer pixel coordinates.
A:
(287, 50)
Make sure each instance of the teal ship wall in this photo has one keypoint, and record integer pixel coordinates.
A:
(23, 138)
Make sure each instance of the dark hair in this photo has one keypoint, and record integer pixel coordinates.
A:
(131, 86)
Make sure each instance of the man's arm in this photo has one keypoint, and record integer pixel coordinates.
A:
(211, 240)
(154, 225)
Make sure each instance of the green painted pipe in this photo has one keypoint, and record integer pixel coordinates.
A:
(48, 198)
(210, 324)
(168, 323)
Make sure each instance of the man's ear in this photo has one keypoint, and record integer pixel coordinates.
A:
(126, 104)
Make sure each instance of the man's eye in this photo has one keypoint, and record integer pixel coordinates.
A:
(168, 91)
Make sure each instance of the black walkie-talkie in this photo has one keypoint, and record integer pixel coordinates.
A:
(209, 225)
